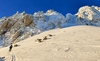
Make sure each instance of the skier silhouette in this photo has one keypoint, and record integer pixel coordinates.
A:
(10, 48)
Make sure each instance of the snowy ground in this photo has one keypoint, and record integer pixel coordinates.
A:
(77, 43)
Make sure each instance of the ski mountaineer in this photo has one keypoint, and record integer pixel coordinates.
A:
(10, 48)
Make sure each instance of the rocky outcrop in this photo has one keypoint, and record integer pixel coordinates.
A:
(3, 27)
(16, 35)
(38, 40)
(16, 27)
(27, 20)
(6, 25)
(23, 13)
(2, 31)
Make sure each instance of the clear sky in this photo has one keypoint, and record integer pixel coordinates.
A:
(10, 7)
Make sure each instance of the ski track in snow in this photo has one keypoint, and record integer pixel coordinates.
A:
(12, 56)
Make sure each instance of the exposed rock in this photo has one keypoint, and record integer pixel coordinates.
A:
(38, 33)
(16, 45)
(23, 13)
(25, 35)
(32, 24)
(16, 35)
(16, 27)
(49, 35)
(17, 12)
(11, 22)
(3, 31)
(6, 25)
(27, 20)
(38, 40)
(44, 38)
(32, 34)
(2, 57)
(59, 23)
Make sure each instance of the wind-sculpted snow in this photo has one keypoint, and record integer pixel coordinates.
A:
(30, 25)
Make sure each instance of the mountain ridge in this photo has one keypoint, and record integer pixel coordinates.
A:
(21, 25)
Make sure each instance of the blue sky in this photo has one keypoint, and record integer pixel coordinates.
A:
(10, 7)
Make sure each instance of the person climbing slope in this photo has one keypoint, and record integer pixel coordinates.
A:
(10, 48)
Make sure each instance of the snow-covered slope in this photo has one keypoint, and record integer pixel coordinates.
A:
(21, 25)
(77, 43)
